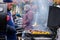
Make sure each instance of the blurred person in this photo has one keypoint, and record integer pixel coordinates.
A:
(27, 18)
(11, 31)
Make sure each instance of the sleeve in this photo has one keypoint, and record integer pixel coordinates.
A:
(10, 20)
(25, 19)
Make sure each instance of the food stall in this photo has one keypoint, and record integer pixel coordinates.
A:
(39, 29)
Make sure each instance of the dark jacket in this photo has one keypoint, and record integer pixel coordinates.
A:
(10, 24)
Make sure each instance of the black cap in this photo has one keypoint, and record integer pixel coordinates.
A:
(7, 1)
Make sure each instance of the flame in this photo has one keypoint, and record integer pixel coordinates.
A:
(35, 24)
